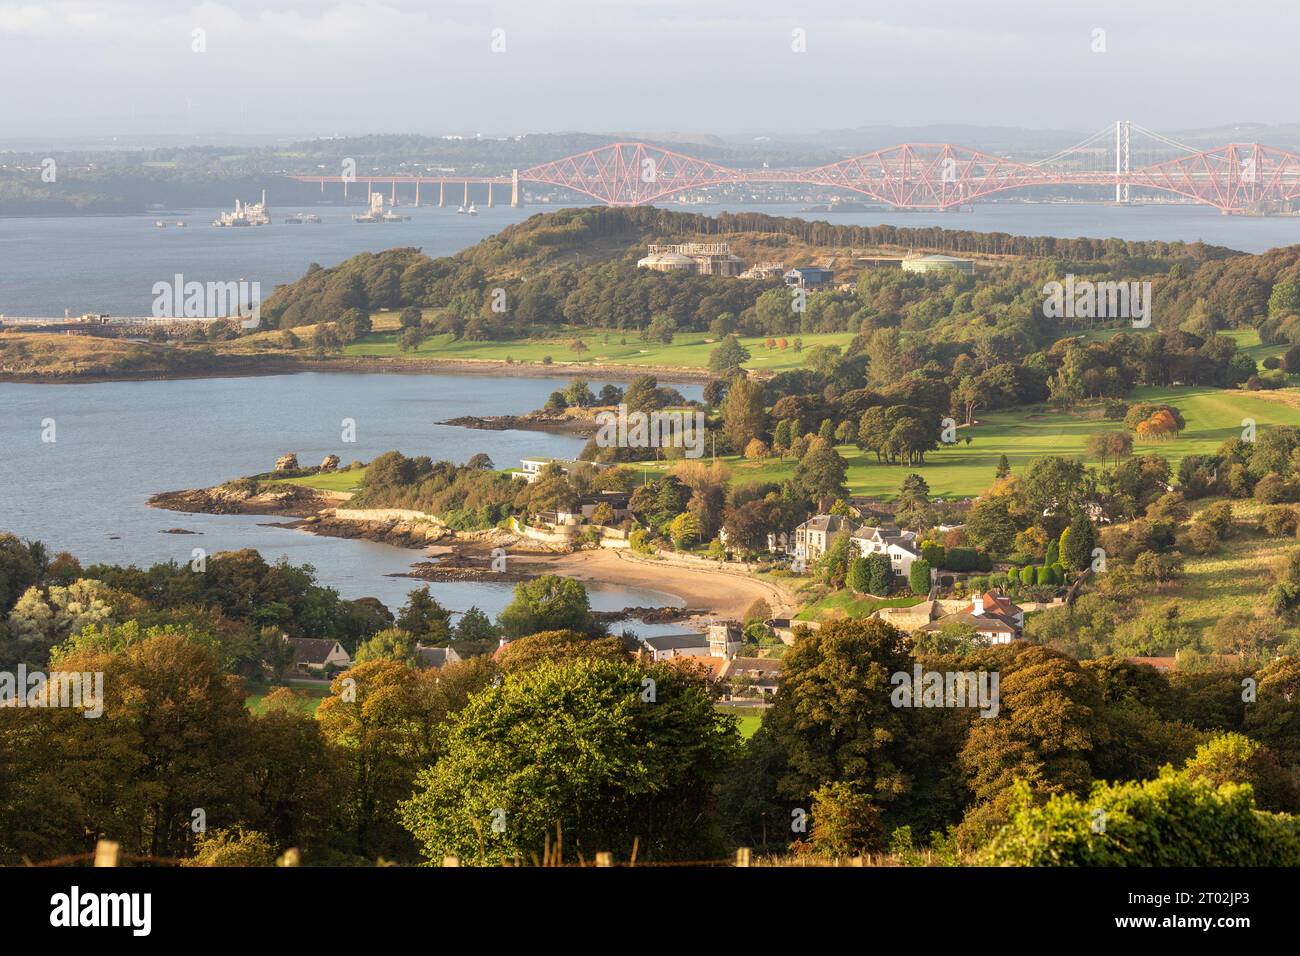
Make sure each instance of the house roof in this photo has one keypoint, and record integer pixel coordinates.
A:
(996, 605)
(766, 666)
(830, 523)
(312, 650)
(435, 657)
(675, 642)
(981, 622)
(887, 534)
(715, 666)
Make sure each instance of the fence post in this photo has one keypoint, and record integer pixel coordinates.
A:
(604, 859)
(451, 861)
(107, 852)
(742, 856)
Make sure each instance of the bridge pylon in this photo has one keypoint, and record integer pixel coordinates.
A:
(1123, 136)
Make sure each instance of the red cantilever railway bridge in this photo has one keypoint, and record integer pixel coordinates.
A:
(1235, 178)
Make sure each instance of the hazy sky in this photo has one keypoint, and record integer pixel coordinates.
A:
(326, 67)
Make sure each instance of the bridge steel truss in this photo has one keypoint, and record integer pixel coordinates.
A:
(1232, 178)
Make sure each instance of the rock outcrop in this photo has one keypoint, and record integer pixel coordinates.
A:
(287, 462)
(243, 498)
(329, 463)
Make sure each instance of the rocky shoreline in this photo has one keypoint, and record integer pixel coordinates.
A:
(534, 421)
(474, 556)
(238, 499)
(239, 364)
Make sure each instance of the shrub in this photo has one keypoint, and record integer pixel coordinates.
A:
(1028, 575)
(1279, 522)
(844, 820)
(1219, 518)
(859, 575)
(639, 541)
(232, 847)
(1170, 821)
(962, 559)
(1273, 489)
(919, 577)
(1201, 537)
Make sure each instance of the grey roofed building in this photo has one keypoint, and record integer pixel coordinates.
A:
(663, 646)
(761, 675)
(435, 657)
(316, 653)
(900, 547)
(813, 537)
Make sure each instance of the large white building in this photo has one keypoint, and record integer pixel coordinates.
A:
(901, 547)
(814, 536)
(699, 258)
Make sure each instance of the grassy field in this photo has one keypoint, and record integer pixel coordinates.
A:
(1236, 576)
(331, 480)
(689, 349)
(1248, 341)
(1023, 435)
(749, 718)
(845, 604)
(312, 694)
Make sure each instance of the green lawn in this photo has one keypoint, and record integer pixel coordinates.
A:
(312, 693)
(1248, 341)
(330, 480)
(1235, 577)
(845, 604)
(689, 349)
(749, 718)
(1212, 415)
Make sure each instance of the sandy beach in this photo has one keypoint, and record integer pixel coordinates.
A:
(723, 593)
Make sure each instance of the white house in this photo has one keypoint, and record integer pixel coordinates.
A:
(530, 469)
(901, 547)
(724, 639)
(316, 654)
(813, 537)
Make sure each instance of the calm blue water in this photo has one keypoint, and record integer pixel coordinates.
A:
(110, 264)
(120, 442)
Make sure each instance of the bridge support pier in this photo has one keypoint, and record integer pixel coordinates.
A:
(417, 194)
(465, 202)
(514, 189)
(441, 199)
(489, 195)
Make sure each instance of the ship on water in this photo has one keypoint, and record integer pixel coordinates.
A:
(377, 213)
(245, 214)
(298, 218)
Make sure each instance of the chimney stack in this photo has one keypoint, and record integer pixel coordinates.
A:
(978, 608)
